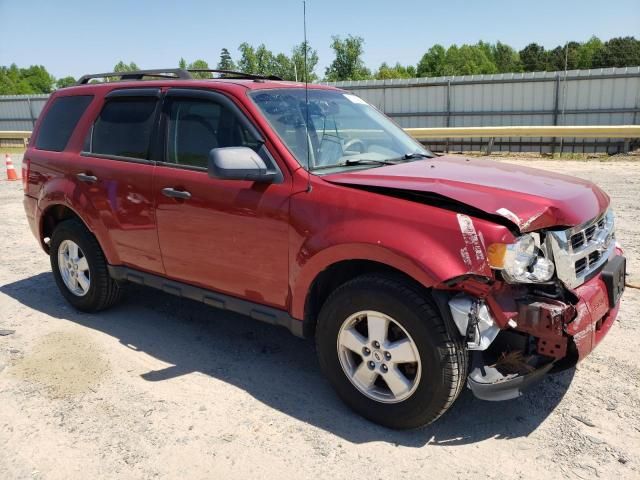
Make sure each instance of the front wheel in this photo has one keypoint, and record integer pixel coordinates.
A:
(388, 353)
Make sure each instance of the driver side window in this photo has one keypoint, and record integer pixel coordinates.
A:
(196, 126)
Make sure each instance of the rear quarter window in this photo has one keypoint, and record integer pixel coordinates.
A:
(59, 122)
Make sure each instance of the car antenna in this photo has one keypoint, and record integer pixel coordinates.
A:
(306, 95)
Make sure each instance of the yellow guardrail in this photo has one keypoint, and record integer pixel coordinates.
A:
(14, 137)
(591, 131)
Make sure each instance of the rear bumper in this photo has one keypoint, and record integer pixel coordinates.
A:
(31, 209)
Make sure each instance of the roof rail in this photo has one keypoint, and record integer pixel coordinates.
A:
(235, 74)
(172, 73)
(138, 75)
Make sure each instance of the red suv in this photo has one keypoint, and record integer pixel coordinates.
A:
(308, 208)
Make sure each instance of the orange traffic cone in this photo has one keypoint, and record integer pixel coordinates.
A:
(11, 172)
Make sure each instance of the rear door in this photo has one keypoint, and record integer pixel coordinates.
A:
(228, 235)
(115, 173)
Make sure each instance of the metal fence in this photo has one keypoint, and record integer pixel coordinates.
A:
(19, 112)
(576, 97)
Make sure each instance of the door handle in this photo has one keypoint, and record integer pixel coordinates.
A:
(83, 177)
(173, 193)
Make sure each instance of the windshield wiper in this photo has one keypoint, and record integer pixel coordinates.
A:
(357, 161)
(370, 161)
(412, 156)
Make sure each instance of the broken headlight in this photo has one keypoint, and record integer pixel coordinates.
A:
(521, 261)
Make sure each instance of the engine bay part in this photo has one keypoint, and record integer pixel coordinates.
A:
(474, 321)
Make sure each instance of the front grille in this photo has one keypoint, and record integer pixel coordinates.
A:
(581, 251)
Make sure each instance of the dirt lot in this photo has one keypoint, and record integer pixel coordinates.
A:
(167, 388)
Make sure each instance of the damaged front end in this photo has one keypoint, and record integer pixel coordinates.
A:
(506, 361)
(517, 331)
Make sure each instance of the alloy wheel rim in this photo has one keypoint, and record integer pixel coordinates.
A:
(379, 357)
(74, 268)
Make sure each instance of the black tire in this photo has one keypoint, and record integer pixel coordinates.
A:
(442, 352)
(103, 291)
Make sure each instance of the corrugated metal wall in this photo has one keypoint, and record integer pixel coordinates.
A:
(577, 97)
(19, 112)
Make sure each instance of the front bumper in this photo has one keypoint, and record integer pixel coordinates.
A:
(560, 333)
(594, 316)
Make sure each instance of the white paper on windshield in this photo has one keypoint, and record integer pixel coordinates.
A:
(354, 99)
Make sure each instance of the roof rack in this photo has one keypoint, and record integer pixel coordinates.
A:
(236, 74)
(172, 73)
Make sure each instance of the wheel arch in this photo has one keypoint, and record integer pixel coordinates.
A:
(55, 213)
(338, 273)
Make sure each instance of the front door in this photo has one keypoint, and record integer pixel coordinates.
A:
(226, 235)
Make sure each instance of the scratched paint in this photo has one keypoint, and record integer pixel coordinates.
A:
(506, 213)
(472, 253)
(526, 225)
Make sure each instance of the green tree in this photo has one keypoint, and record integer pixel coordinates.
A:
(123, 67)
(65, 82)
(397, 71)
(12, 83)
(590, 53)
(248, 62)
(506, 58)
(282, 67)
(432, 62)
(297, 59)
(259, 61)
(182, 63)
(348, 63)
(22, 81)
(199, 65)
(560, 55)
(468, 60)
(534, 58)
(621, 52)
(37, 76)
(226, 62)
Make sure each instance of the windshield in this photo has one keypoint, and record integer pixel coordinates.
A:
(343, 131)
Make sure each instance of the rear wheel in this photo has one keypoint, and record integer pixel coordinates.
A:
(388, 353)
(80, 268)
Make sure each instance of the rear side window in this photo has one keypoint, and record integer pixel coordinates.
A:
(124, 128)
(60, 121)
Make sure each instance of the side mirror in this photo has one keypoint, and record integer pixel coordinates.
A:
(238, 163)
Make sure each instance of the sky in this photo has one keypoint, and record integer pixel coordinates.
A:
(73, 37)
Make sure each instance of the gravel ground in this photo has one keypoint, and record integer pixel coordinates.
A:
(160, 387)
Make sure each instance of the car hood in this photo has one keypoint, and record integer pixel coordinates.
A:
(530, 198)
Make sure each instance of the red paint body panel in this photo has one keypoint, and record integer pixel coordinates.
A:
(334, 223)
(594, 318)
(537, 198)
(230, 236)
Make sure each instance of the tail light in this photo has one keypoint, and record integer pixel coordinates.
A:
(26, 166)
